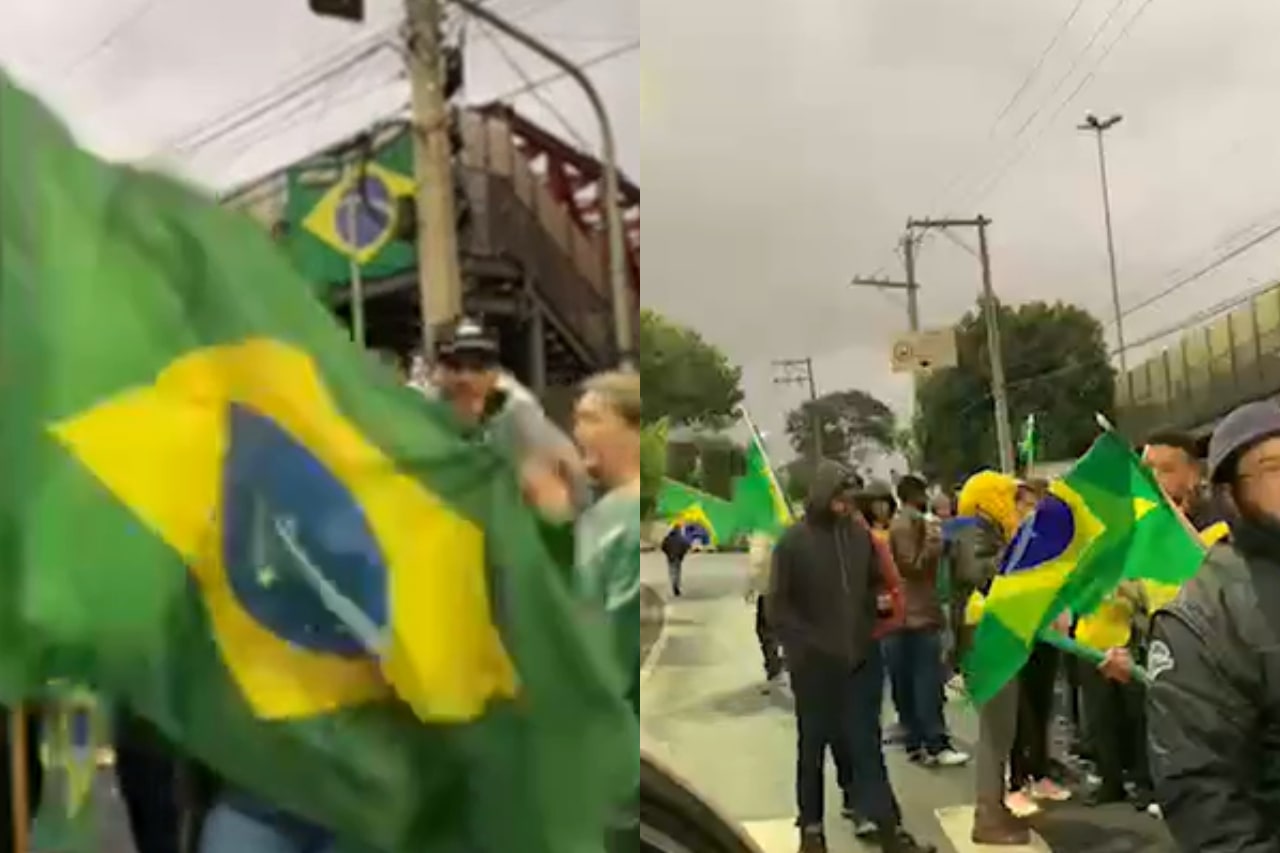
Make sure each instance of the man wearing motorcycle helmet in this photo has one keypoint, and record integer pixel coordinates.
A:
(1214, 659)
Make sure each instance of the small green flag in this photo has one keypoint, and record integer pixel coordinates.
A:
(1029, 442)
(221, 513)
(758, 502)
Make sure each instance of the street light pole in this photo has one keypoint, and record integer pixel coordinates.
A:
(1098, 127)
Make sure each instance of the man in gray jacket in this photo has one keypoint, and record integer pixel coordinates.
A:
(1213, 708)
(822, 603)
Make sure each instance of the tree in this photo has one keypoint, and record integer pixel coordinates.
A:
(653, 464)
(685, 379)
(1056, 366)
(852, 423)
(904, 441)
(796, 476)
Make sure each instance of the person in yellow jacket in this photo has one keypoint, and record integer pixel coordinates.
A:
(1113, 710)
(988, 500)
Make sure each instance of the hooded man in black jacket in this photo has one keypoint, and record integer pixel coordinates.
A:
(1213, 706)
(822, 602)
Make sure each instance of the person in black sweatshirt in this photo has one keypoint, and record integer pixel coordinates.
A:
(824, 601)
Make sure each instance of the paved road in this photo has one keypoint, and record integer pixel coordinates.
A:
(110, 822)
(703, 712)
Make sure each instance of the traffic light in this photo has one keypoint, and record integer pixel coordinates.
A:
(347, 10)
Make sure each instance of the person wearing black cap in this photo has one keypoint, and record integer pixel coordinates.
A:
(469, 376)
(1213, 706)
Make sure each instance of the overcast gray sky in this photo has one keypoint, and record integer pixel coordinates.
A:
(787, 143)
(146, 79)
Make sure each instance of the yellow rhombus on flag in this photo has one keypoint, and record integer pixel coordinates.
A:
(372, 212)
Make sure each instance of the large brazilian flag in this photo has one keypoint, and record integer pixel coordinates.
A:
(218, 511)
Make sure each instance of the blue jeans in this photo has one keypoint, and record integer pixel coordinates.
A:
(230, 830)
(916, 673)
(838, 709)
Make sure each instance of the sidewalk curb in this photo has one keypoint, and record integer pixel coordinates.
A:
(653, 610)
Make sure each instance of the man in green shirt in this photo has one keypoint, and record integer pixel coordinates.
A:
(606, 425)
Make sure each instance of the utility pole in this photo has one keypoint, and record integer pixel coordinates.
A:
(909, 285)
(1098, 127)
(797, 371)
(990, 309)
(439, 278)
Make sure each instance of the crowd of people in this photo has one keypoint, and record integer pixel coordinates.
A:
(586, 488)
(874, 585)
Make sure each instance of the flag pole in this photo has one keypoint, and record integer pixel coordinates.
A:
(764, 454)
(20, 793)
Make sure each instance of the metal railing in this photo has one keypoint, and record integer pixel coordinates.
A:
(1211, 369)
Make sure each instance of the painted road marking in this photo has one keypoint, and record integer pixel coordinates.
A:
(957, 823)
(655, 651)
(773, 836)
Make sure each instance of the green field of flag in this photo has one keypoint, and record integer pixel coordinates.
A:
(759, 505)
(220, 512)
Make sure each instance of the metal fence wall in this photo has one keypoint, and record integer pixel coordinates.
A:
(1210, 370)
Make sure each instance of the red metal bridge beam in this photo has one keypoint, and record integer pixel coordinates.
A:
(570, 171)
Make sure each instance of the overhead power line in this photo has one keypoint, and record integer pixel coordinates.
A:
(305, 77)
(533, 90)
(556, 77)
(1182, 282)
(269, 108)
(285, 105)
(965, 178)
(1080, 87)
(113, 34)
(313, 110)
(994, 179)
(1035, 69)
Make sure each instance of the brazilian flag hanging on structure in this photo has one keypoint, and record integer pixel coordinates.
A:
(218, 511)
(338, 209)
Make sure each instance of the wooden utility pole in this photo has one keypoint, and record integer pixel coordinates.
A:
(990, 313)
(798, 371)
(439, 278)
(910, 285)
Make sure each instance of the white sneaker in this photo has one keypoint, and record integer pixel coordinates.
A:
(1155, 811)
(949, 758)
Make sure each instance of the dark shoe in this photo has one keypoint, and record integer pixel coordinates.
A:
(1106, 796)
(812, 840)
(862, 827)
(895, 839)
(996, 825)
(1142, 799)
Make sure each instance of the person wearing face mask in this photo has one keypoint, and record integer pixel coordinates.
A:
(1213, 734)
(825, 589)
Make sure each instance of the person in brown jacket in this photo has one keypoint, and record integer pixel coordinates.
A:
(914, 652)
